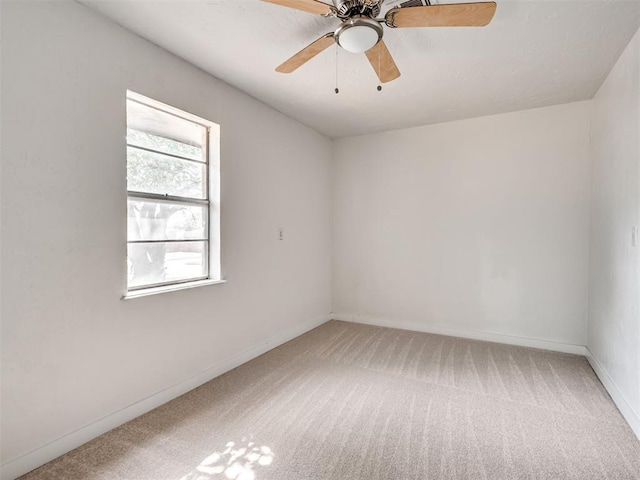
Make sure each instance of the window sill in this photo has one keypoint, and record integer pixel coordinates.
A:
(169, 288)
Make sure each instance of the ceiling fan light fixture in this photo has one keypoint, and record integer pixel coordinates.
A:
(358, 34)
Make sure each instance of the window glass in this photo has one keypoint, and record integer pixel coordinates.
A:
(156, 173)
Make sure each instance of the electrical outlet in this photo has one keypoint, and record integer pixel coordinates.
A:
(280, 233)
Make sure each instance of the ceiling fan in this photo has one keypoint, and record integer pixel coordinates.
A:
(361, 32)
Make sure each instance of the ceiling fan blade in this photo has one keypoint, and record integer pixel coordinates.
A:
(306, 54)
(310, 6)
(454, 15)
(382, 62)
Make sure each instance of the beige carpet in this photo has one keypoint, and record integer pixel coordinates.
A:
(348, 401)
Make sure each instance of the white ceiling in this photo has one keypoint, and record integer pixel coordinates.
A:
(533, 54)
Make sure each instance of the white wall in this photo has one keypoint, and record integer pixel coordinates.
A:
(473, 227)
(614, 293)
(72, 350)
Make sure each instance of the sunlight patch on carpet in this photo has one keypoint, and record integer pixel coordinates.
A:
(238, 461)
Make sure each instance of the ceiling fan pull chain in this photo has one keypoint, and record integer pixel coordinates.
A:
(379, 71)
(337, 90)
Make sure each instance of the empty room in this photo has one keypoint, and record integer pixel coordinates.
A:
(307, 240)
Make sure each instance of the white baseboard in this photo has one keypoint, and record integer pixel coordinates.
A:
(632, 418)
(35, 458)
(471, 334)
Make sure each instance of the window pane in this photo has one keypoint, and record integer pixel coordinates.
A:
(157, 263)
(166, 145)
(162, 131)
(151, 220)
(155, 173)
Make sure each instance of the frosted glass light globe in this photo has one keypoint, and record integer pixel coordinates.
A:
(358, 39)
(358, 34)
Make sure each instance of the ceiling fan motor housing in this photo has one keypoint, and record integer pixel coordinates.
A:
(349, 8)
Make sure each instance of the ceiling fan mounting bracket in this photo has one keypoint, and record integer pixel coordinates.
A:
(389, 18)
(333, 12)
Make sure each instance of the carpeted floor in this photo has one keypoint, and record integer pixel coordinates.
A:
(348, 401)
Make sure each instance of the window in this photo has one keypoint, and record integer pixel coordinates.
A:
(172, 198)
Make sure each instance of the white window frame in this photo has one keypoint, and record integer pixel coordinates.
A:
(211, 148)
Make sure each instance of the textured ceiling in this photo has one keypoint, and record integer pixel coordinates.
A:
(533, 54)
